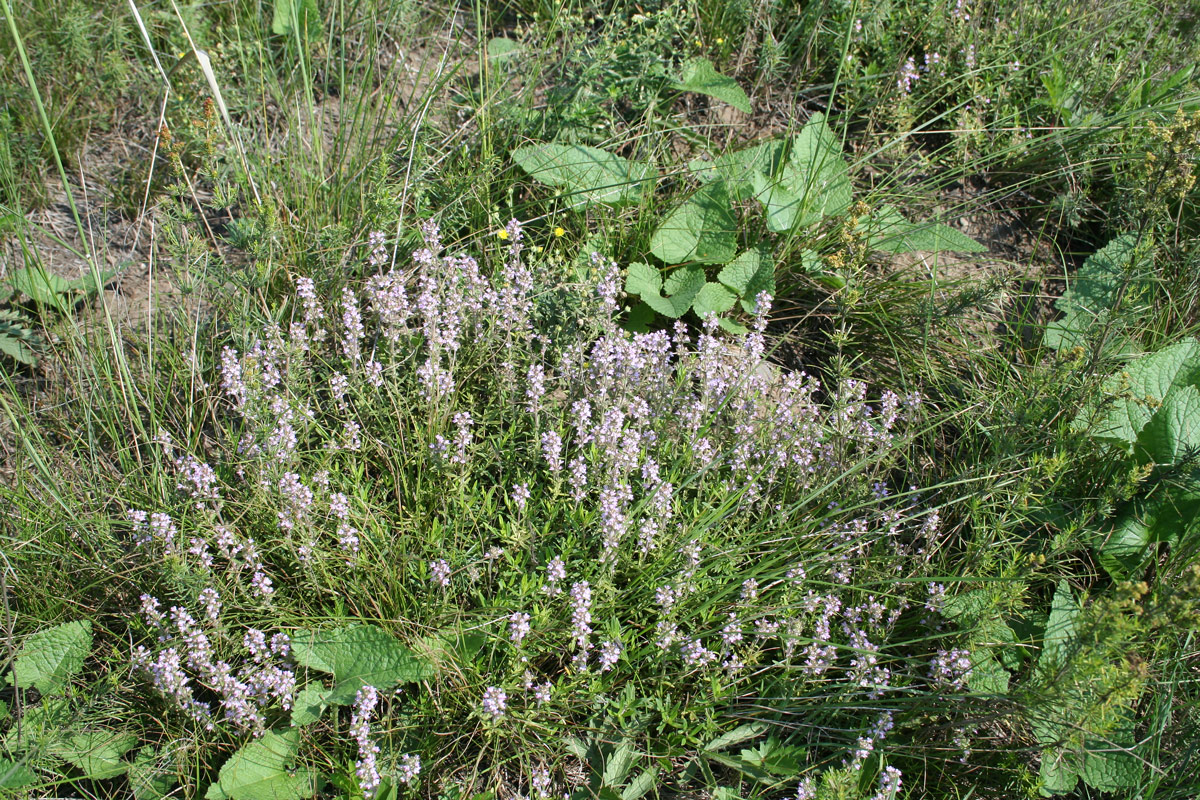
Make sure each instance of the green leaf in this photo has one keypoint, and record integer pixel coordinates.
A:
(51, 657)
(1111, 764)
(97, 753)
(18, 340)
(14, 775)
(1092, 295)
(1059, 638)
(700, 76)
(618, 764)
(1059, 772)
(713, 298)
(309, 705)
(642, 279)
(987, 676)
(640, 785)
(775, 757)
(594, 176)
(1173, 433)
(148, 779)
(737, 169)
(357, 656)
(782, 207)
(1171, 513)
(1143, 389)
(890, 232)
(264, 770)
(42, 287)
(639, 318)
(752, 272)
(296, 15)
(816, 172)
(501, 48)
(701, 229)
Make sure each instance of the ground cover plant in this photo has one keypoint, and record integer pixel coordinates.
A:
(535, 399)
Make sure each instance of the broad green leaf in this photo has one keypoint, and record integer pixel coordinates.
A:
(149, 778)
(1059, 638)
(357, 656)
(1142, 390)
(17, 339)
(1173, 433)
(890, 232)
(987, 675)
(752, 272)
(700, 76)
(1059, 772)
(296, 15)
(713, 298)
(264, 770)
(1171, 513)
(642, 279)
(737, 169)
(14, 775)
(816, 172)
(730, 326)
(640, 785)
(42, 287)
(309, 705)
(618, 764)
(51, 657)
(782, 207)
(589, 175)
(1092, 295)
(97, 754)
(501, 48)
(1110, 764)
(701, 229)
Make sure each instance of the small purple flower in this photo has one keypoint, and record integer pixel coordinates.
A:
(610, 653)
(495, 702)
(520, 496)
(518, 626)
(409, 768)
(439, 572)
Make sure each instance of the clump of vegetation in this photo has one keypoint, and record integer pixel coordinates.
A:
(615, 403)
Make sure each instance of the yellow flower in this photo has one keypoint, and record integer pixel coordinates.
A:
(720, 40)
(502, 233)
(559, 231)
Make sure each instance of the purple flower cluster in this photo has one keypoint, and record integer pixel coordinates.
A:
(186, 658)
(367, 766)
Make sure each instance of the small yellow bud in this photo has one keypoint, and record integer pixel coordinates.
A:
(720, 40)
(502, 233)
(559, 231)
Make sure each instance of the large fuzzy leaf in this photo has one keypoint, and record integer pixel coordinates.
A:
(1059, 639)
(264, 770)
(1091, 296)
(890, 232)
(587, 174)
(700, 76)
(1171, 513)
(702, 229)
(1144, 389)
(713, 298)
(14, 775)
(751, 273)
(51, 657)
(1110, 764)
(817, 173)
(737, 169)
(97, 754)
(357, 656)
